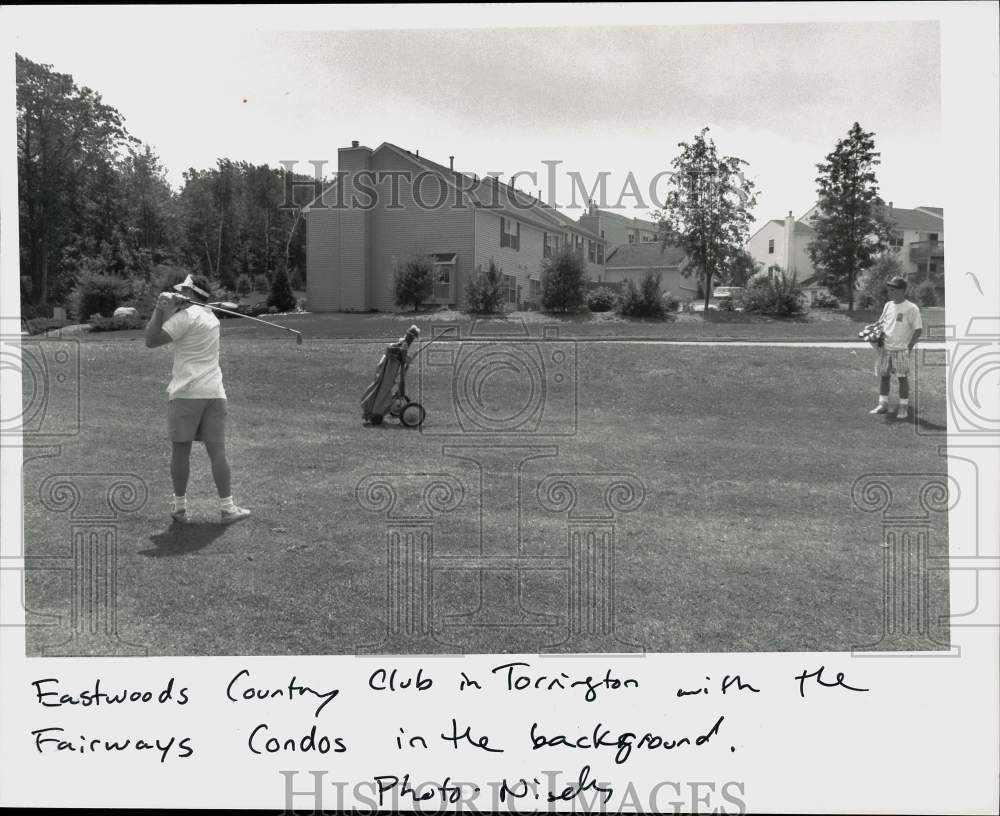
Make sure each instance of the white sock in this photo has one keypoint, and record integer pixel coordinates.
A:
(180, 503)
(903, 403)
(883, 399)
(228, 505)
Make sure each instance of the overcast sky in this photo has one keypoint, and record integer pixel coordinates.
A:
(613, 99)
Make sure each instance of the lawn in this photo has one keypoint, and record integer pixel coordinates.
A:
(746, 540)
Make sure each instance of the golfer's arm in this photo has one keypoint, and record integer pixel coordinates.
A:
(155, 336)
(916, 336)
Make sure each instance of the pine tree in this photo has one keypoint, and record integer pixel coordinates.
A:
(850, 228)
(281, 296)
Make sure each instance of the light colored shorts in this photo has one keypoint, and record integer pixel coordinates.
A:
(893, 362)
(197, 420)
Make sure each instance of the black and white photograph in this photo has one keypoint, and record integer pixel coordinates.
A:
(513, 344)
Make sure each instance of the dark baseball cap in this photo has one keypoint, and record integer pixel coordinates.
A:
(896, 283)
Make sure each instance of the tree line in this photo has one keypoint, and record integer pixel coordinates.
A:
(94, 199)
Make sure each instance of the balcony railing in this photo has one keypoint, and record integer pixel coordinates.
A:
(926, 250)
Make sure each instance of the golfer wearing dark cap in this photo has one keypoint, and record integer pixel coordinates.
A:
(196, 406)
(900, 321)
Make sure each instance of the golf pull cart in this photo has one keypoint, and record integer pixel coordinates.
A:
(387, 393)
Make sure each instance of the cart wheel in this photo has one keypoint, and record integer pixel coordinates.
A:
(413, 415)
(398, 405)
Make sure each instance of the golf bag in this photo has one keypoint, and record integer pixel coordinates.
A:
(387, 393)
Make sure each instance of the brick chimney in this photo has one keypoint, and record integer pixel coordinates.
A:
(353, 255)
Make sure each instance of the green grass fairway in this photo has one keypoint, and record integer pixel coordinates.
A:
(747, 539)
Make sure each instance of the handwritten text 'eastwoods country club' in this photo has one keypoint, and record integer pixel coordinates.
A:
(514, 678)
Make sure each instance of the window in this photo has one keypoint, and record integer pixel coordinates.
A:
(600, 254)
(444, 277)
(510, 233)
(770, 248)
(534, 289)
(591, 251)
(631, 237)
(896, 240)
(933, 268)
(550, 245)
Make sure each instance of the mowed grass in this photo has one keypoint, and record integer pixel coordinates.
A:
(747, 539)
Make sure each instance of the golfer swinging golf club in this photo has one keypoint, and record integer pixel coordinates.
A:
(196, 400)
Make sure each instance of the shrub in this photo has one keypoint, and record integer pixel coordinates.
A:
(670, 303)
(244, 285)
(255, 310)
(281, 298)
(485, 292)
(96, 294)
(780, 296)
(261, 284)
(414, 283)
(563, 282)
(31, 311)
(144, 291)
(925, 294)
(602, 299)
(872, 293)
(99, 323)
(644, 299)
(297, 280)
(39, 325)
(823, 300)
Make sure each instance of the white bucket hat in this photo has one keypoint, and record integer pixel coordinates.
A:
(188, 283)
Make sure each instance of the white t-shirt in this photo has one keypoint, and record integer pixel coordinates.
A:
(899, 321)
(195, 335)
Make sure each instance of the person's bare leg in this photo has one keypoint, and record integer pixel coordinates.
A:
(180, 471)
(223, 482)
(904, 398)
(220, 468)
(883, 396)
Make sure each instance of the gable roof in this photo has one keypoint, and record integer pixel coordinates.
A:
(633, 221)
(922, 219)
(486, 194)
(645, 255)
(801, 227)
(918, 220)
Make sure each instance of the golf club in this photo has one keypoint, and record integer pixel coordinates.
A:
(429, 342)
(298, 335)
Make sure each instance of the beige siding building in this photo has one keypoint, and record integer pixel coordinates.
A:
(633, 261)
(917, 240)
(389, 205)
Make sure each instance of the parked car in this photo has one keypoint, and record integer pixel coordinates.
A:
(728, 298)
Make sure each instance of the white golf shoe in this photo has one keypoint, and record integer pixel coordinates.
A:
(236, 514)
